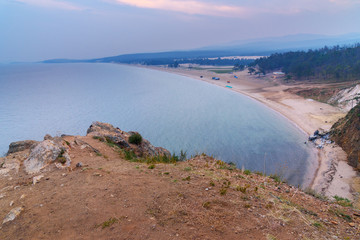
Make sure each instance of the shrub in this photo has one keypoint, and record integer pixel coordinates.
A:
(247, 172)
(182, 155)
(241, 189)
(136, 138)
(187, 169)
(276, 178)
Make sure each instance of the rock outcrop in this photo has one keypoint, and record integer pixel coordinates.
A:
(21, 146)
(35, 156)
(346, 133)
(107, 132)
(46, 152)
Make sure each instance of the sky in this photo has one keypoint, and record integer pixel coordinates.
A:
(34, 30)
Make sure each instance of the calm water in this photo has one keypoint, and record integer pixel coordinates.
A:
(171, 111)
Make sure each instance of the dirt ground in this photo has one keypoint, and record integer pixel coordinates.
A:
(112, 198)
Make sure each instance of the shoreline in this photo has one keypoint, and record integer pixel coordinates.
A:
(332, 176)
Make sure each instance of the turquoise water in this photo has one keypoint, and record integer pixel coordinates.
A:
(171, 111)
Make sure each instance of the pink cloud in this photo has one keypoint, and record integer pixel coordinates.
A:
(190, 7)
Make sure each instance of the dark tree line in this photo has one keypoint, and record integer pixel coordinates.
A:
(336, 63)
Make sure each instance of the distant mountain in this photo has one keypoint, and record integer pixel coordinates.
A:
(287, 43)
(250, 47)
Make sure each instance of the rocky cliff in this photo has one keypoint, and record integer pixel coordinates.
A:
(346, 133)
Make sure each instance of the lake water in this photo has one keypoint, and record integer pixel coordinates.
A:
(171, 111)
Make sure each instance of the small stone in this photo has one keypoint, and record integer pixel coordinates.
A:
(16, 187)
(79, 164)
(97, 174)
(11, 203)
(333, 222)
(23, 196)
(2, 195)
(357, 214)
(352, 224)
(37, 179)
(206, 189)
(64, 174)
(13, 214)
(61, 185)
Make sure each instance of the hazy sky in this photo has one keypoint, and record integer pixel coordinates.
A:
(32, 30)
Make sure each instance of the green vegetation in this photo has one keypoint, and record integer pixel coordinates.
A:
(276, 178)
(136, 138)
(341, 214)
(271, 237)
(152, 166)
(108, 223)
(223, 191)
(187, 169)
(101, 139)
(241, 189)
(313, 193)
(343, 201)
(247, 172)
(336, 63)
(316, 224)
(187, 178)
(61, 157)
(206, 205)
(182, 156)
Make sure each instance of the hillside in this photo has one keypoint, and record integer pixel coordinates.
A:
(346, 133)
(246, 47)
(101, 186)
(336, 64)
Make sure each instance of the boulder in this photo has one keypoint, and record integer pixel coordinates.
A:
(21, 146)
(43, 154)
(109, 133)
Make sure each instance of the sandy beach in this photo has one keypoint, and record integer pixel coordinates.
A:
(333, 176)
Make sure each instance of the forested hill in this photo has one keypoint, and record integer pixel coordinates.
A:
(325, 64)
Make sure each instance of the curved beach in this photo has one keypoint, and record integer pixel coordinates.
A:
(333, 176)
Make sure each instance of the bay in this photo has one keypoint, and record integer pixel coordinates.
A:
(175, 112)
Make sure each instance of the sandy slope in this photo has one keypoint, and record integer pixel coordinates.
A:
(333, 175)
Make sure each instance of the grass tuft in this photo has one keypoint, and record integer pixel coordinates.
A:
(108, 223)
(343, 201)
